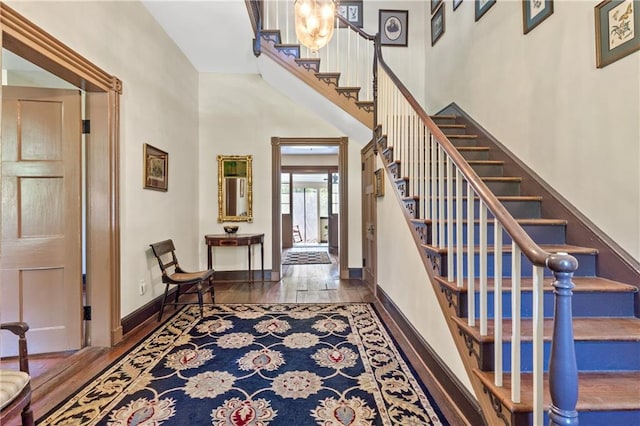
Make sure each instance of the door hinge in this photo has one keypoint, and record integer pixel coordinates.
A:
(86, 127)
(362, 167)
(364, 262)
(86, 314)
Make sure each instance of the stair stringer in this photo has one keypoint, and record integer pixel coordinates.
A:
(613, 261)
(295, 66)
(491, 410)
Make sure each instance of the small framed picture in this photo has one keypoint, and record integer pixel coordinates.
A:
(534, 12)
(482, 6)
(434, 5)
(393, 26)
(456, 3)
(378, 183)
(617, 30)
(351, 11)
(156, 168)
(437, 25)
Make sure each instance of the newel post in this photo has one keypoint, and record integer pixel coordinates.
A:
(563, 369)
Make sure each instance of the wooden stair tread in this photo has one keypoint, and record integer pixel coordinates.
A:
(596, 391)
(444, 116)
(495, 162)
(584, 329)
(524, 222)
(551, 248)
(506, 197)
(461, 136)
(452, 126)
(328, 74)
(488, 178)
(473, 148)
(582, 285)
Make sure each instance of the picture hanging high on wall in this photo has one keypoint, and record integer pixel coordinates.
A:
(617, 30)
(534, 12)
(434, 5)
(437, 25)
(351, 11)
(482, 6)
(393, 27)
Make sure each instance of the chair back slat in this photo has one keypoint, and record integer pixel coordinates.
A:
(160, 250)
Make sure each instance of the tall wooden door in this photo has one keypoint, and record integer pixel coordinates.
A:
(41, 216)
(369, 252)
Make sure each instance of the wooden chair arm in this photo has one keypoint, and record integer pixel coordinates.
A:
(20, 330)
(17, 328)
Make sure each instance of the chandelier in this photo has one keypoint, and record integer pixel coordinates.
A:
(314, 22)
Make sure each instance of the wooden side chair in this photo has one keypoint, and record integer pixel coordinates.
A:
(297, 236)
(172, 274)
(15, 386)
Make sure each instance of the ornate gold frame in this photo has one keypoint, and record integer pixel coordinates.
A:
(235, 166)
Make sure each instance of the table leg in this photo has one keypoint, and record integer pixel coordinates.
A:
(262, 259)
(249, 278)
(209, 257)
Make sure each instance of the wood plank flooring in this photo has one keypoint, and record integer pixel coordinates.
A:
(56, 376)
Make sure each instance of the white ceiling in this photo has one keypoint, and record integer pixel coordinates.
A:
(215, 35)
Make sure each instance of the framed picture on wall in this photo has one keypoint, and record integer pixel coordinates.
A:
(351, 11)
(434, 5)
(617, 30)
(393, 26)
(156, 168)
(482, 6)
(534, 12)
(456, 3)
(437, 25)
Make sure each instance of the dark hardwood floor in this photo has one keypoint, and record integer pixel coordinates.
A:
(56, 376)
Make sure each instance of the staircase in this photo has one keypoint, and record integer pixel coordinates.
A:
(587, 308)
(606, 330)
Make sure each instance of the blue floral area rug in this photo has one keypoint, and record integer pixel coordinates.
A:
(255, 365)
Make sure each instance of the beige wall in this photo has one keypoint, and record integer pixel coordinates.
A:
(158, 106)
(542, 96)
(402, 276)
(239, 113)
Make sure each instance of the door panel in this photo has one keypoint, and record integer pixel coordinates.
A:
(369, 252)
(41, 234)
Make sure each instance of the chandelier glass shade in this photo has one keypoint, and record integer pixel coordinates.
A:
(314, 21)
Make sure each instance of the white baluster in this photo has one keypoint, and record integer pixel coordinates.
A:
(515, 320)
(483, 269)
(459, 231)
(471, 284)
(450, 221)
(497, 303)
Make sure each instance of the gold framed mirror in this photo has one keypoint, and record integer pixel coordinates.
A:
(235, 188)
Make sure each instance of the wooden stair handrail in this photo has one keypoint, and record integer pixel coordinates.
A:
(360, 31)
(529, 248)
(563, 372)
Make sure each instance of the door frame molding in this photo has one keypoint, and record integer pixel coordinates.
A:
(276, 223)
(103, 91)
(369, 148)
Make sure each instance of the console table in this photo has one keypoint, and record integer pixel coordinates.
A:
(235, 240)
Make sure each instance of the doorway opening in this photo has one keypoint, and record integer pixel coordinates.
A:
(101, 104)
(309, 198)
